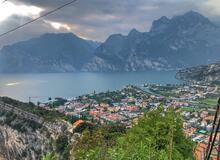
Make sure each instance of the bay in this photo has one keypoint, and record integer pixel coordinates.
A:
(41, 86)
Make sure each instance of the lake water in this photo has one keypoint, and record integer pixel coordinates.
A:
(42, 86)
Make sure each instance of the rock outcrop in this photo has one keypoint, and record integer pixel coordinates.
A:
(205, 73)
(26, 136)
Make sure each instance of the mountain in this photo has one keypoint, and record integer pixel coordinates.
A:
(204, 73)
(182, 41)
(64, 52)
(172, 43)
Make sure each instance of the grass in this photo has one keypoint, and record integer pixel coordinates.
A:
(189, 109)
(210, 101)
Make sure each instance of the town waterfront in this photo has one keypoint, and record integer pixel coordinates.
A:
(41, 86)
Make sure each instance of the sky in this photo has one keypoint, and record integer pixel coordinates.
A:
(94, 19)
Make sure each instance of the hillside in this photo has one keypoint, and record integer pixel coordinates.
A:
(157, 136)
(28, 132)
(205, 73)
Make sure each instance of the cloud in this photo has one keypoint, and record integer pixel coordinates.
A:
(8, 9)
(212, 7)
(58, 26)
(27, 32)
(148, 8)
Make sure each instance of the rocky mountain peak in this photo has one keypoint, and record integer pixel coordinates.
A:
(113, 38)
(160, 24)
(194, 14)
(192, 19)
(133, 32)
(186, 21)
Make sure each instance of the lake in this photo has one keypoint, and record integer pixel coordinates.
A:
(42, 86)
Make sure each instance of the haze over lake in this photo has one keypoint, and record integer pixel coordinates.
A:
(42, 86)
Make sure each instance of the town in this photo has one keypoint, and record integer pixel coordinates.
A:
(195, 102)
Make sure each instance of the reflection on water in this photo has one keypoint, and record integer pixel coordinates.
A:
(12, 84)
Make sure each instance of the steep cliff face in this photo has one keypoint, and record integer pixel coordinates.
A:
(27, 146)
(182, 41)
(25, 136)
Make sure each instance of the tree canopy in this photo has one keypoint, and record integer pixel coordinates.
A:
(158, 136)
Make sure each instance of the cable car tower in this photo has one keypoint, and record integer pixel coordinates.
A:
(214, 139)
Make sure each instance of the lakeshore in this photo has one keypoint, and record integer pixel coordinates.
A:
(39, 87)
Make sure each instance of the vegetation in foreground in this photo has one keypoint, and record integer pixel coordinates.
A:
(32, 108)
(158, 136)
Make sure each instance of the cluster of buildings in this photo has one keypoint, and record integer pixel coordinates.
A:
(198, 126)
(197, 104)
(110, 108)
(127, 105)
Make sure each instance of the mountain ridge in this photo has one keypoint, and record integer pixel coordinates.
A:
(172, 43)
(178, 42)
(60, 52)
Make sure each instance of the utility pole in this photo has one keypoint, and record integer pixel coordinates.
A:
(218, 148)
(213, 135)
(171, 143)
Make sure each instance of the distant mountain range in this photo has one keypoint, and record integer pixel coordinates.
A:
(63, 52)
(182, 41)
(204, 73)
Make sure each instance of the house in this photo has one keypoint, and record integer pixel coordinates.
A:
(200, 151)
(77, 123)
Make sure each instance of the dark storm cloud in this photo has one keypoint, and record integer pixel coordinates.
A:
(97, 19)
(23, 34)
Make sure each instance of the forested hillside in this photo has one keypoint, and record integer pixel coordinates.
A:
(157, 136)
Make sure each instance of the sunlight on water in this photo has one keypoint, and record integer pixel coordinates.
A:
(67, 85)
(12, 84)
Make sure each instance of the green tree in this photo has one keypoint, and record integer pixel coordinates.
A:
(158, 136)
(50, 156)
(83, 126)
(62, 147)
(61, 143)
(94, 144)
